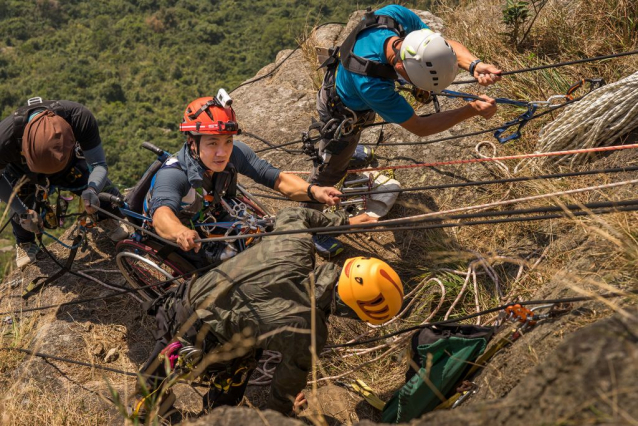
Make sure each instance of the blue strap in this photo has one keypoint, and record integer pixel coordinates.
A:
(60, 242)
(521, 120)
(131, 213)
(469, 98)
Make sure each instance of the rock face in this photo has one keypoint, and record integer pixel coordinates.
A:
(550, 376)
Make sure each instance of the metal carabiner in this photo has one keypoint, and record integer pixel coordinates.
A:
(594, 83)
(550, 102)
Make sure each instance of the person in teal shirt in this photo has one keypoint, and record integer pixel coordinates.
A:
(404, 49)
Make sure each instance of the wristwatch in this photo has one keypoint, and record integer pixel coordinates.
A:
(473, 66)
(309, 192)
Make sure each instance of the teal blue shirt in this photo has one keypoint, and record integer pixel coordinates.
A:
(361, 93)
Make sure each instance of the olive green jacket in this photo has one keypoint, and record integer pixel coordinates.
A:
(266, 288)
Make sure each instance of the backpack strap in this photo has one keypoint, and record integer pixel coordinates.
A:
(21, 116)
(367, 67)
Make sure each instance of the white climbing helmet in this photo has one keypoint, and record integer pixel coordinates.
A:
(429, 60)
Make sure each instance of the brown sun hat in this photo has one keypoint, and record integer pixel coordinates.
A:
(47, 143)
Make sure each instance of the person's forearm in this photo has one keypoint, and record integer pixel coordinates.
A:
(437, 123)
(292, 186)
(166, 224)
(6, 190)
(96, 160)
(463, 56)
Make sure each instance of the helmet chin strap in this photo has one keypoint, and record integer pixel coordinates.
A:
(396, 59)
(195, 154)
(397, 52)
(340, 309)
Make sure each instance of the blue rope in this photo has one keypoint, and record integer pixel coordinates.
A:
(60, 242)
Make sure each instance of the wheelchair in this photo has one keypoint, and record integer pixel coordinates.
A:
(144, 260)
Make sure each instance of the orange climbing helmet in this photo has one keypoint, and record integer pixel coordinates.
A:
(208, 116)
(371, 288)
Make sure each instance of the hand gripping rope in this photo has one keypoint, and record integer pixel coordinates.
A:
(531, 106)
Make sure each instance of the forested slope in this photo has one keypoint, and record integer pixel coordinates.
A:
(137, 64)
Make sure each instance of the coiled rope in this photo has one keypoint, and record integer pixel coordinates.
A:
(597, 120)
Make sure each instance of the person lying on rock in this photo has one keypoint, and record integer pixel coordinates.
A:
(206, 168)
(52, 144)
(220, 323)
(389, 45)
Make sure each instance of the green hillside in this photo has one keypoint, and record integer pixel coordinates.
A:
(137, 64)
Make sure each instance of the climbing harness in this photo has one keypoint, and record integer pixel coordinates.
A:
(22, 114)
(343, 121)
(356, 64)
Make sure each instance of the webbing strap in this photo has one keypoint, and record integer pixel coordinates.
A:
(359, 65)
(21, 116)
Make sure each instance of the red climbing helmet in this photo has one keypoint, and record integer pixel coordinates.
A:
(207, 116)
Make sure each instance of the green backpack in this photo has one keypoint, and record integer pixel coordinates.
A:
(453, 348)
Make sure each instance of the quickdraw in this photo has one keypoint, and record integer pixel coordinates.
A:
(52, 217)
(519, 122)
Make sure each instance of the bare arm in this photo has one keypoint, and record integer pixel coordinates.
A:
(168, 226)
(485, 73)
(436, 123)
(295, 188)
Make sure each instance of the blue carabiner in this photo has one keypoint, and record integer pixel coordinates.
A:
(520, 120)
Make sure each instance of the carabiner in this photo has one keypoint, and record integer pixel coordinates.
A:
(520, 120)
(594, 83)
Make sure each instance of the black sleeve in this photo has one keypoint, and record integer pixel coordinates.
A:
(83, 123)
(9, 151)
(248, 163)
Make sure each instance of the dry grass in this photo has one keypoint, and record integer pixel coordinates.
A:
(603, 249)
(584, 255)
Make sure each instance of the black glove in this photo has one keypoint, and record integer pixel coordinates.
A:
(31, 221)
(91, 200)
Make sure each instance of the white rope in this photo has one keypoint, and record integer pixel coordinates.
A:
(499, 164)
(513, 201)
(596, 120)
(266, 368)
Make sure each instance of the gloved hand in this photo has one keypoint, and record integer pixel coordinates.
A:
(31, 221)
(89, 196)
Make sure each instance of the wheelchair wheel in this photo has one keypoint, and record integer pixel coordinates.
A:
(141, 266)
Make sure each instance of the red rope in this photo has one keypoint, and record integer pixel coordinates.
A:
(481, 160)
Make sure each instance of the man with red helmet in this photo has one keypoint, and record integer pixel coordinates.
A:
(207, 164)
